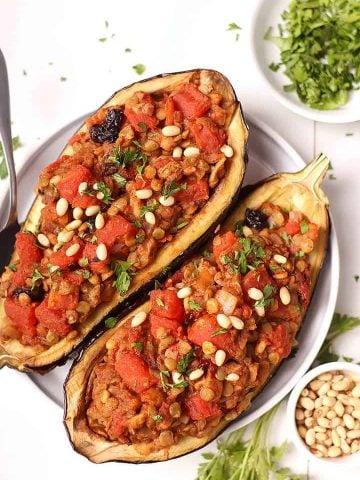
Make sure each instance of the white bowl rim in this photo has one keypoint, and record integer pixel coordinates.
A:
(348, 461)
(326, 116)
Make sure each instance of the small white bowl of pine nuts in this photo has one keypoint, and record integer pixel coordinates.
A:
(324, 414)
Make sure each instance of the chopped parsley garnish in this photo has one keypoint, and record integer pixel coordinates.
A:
(163, 375)
(169, 190)
(143, 126)
(332, 177)
(100, 188)
(157, 418)
(139, 239)
(219, 331)
(137, 223)
(350, 134)
(12, 267)
(267, 299)
(185, 361)
(123, 276)
(63, 79)
(24, 73)
(119, 179)
(181, 225)
(304, 227)
(239, 228)
(35, 277)
(93, 239)
(102, 39)
(285, 237)
(83, 273)
(111, 322)
(84, 262)
(106, 24)
(183, 384)
(249, 257)
(16, 143)
(127, 50)
(319, 50)
(124, 158)
(139, 68)
(206, 252)
(149, 208)
(138, 345)
(233, 26)
(194, 306)
(160, 302)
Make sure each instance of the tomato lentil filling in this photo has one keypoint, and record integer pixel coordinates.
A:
(211, 338)
(139, 174)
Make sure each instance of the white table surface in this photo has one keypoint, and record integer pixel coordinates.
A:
(53, 39)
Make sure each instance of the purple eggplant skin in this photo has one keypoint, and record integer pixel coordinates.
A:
(169, 257)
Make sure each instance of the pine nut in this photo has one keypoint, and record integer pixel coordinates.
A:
(331, 414)
(307, 403)
(62, 206)
(43, 240)
(144, 193)
(318, 402)
(299, 414)
(310, 437)
(223, 320)
(321, 437)
(309, 422)
(196, 374)
(170, 131)
(302, 431)
(340, 430)
(184, 292)
(177, 377)
(305, 392)
(177, 152)
(355, 392)
(65, 236)
(72, 250)
(191, 151)
(340, 385)
(150, 218)
(220, 357)
(323, 389)
(356, 414)
(99, 221)
(343, 398)
(335, 438)
(247, 231)
(329, 401)
(325, 376)
(236, 322)
(227, 151)
(284, 296)
(73, 225)
(82, 187)
(339, 409)
(260, 311)
(334, 452)
(167, 202)
(322, 449)
(78, 213)
(344, 446)
(332, 393)
(355, 447)
(318, 429)
(349, 421)
(255, 293)
(138, 319)
(280, 259)
(232, 377)
(324, 422)
(101, 251)
(355, 402)
(335, 422)
(92, 210)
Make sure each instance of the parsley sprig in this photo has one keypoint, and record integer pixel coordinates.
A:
(123, 276)
(267, 299)
(169, 189)
(185, 361)
(124, 158)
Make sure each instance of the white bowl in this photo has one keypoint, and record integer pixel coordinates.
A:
(348, 461)
(268, 14)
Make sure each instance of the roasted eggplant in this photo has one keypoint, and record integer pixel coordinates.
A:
(137, 189)
(171, 375)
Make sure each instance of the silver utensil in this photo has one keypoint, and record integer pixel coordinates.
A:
(11, 227)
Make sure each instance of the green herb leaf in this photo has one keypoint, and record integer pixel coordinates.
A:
(119, 179)
(110, 322)
(16, 143)
(157, 418)
(138, 345)
(102, 39)
(356, 278)
(149, 208)
(139, 239)
(106, 24)
(169, 190)
(84, 262)
(102, 188)
(123, 276)
(139, 68)
(181, 225)
(267, 299)
(185, 361)
(63, 79)
(83, 273)
(304, 227)
(233, 26)
(160, 302)
(143, 126)
(183, 384)
(124, 158)
(127, 50)
(194, 306)
(12, 267)
(35, 277)
(219, 331)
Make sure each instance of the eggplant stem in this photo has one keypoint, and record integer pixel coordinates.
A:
(313, 174)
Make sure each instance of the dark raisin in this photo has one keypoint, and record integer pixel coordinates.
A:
(107, 131)
(110, 168)
(36, 294)
(255, 219)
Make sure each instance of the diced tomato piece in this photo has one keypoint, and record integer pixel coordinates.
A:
(313, 231)
(169, 111)
(61, 259)
(191, 102)
(83, 200)
(198, 409)
(165, 303)
(134, 371)
(73, 278)
(223, 245)
(258, 278)
(195, 191)
(20, 276)
(292, 228)
(69, 184)
(280, 341)
(28, 252)
(116, 227)
(22, 317)
(50, 221)
(204, 330)
(207, 135)
(96, 265)
(54, 320)
(118, 424)
(138, 117)
(63, 302)
(163, 322)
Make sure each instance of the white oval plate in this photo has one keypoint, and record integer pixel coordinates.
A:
(268, 153)
(268, 14)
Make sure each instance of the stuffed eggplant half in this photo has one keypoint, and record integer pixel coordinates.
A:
(144, 180)
(172, 374)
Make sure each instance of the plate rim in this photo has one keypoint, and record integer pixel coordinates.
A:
(325, 116)
(332, 256)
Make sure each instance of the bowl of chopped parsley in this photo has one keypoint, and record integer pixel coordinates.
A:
(308, 52)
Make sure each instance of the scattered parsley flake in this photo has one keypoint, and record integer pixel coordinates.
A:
(123, 276)
(233, 26)
(169, 190)
(332, 177)
(181, 225)
(139, 239)
(12, 267)
(219, 331)
(267, 299)
(160, 302)
(185, 361)
(349, 134)
(149, 208)
(110, 322)
(35, 277)
(102, 39)
(139, 68)
(304, 227)
(63, 79)
(157, 418)
(356, 278)
(138, 345)
(194, 306)
(84, 262)
(119, 179)
(143, 126)
(127, 50)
